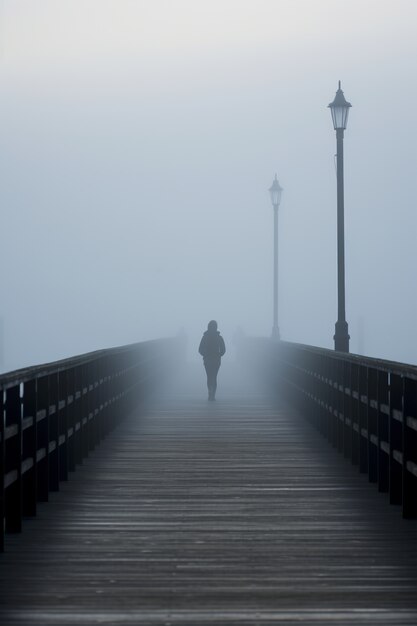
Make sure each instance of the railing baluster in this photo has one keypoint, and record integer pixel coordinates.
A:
(13, 460)
(354, 409)
(363, 420)
(42, 430)
(53, 446)
(410, 449)
(372, 409)
(347, 415)
(62, 423)
(29, 449)
(395, 439)
(71, 418)
(2, 469)
(383, 431)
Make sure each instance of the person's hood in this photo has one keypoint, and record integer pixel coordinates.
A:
(212, 332)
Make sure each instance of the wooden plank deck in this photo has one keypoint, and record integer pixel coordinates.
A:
(233, 512)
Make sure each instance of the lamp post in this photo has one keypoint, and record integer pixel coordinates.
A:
(340, 110)
(275, 191)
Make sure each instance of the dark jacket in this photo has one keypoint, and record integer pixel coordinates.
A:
(212, 346)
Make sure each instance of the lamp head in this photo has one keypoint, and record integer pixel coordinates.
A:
(275, 192)
(340, 110)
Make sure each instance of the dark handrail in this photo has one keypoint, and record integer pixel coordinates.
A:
(26, 373)
(55, 413)
(366, 407)
(394, 367)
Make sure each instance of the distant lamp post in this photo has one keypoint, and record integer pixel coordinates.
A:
(275, 191)
(340, 111)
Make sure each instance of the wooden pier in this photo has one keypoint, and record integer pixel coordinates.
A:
(231, 512)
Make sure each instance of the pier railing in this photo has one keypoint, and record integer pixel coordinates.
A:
(53, 415)
(366, 407)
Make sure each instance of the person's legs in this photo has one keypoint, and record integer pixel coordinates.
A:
(212, 367)
(207, 368)
(209, 372)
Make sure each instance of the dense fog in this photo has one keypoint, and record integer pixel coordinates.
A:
(138, 140)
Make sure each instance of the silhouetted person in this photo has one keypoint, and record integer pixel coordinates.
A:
(212, 349)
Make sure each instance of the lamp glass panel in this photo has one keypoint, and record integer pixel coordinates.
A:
(275, 195)
(340, 115)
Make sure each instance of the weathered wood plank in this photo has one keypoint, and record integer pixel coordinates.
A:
(232, 512)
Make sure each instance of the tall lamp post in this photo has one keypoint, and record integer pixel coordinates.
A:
(275, 191)
(340, 111)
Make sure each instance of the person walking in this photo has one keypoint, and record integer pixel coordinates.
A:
(212, 348)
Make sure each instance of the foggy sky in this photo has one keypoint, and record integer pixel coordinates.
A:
(138, 140)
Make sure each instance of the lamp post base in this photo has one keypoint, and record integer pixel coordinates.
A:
(341, 337)
(275, 333)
